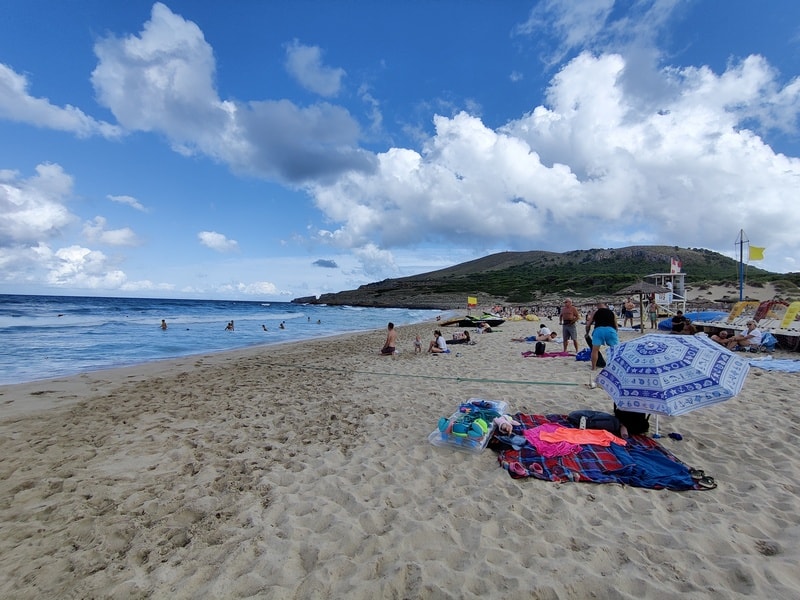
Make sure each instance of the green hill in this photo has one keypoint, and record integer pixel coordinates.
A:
(525, 277)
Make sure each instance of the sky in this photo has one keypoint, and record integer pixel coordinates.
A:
(273, 150)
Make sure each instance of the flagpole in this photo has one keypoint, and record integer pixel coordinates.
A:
(741, 264)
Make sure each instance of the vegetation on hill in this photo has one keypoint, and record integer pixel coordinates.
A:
(524, 277)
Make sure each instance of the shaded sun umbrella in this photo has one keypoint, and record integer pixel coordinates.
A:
(642, 288)
(671, 374)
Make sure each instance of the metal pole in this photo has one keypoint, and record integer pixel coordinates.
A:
(741, 264)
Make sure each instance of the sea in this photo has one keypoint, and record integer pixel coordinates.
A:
(42, 337)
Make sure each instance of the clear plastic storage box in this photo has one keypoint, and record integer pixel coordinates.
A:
(470, 427)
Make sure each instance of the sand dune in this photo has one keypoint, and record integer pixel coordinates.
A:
(304, 471)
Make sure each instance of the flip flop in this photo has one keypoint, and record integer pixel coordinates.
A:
(697, 474)
(706, 483)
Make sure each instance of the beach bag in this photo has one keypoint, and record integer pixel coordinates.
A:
(584, 355)
(539, 349)
(768, 342)
(601, 361)
(595, 420)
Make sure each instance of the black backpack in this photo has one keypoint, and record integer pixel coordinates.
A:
(539, 349)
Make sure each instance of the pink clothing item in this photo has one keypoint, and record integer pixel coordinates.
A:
(598, 437)
(549, 449)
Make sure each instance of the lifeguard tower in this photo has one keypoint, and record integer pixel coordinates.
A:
(670, 303)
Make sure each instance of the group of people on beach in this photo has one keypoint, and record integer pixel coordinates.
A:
(438, 344)
(601, 329)
(229, 326)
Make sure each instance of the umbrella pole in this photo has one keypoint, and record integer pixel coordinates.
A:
(656, 435)
(641, 314)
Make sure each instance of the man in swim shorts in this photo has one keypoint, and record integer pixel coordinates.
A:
(568, 319)
(391, 340)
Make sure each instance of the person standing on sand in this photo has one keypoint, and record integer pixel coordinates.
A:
(417, 345)
(568, 319)
(627, 311)
(605, 330)
(391, 340)
(652, 313)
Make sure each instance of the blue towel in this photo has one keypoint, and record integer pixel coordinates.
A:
(649, 469)
(785, 365)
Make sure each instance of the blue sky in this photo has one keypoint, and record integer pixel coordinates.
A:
(271, 150)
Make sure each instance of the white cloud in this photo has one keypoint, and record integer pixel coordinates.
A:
(129, 200)
(32, 210)
(78, 267)
(16, 104)
(376, 262)
(597, 166)
(95, 231)
(163, 81)
(217, 241)
(575, 24)
(32, 214)
(304, 63)
(258, 288)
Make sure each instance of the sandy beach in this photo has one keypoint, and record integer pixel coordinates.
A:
(304, 471)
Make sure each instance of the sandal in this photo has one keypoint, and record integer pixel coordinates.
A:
(697, 474)
(518, 469)
(706, 483)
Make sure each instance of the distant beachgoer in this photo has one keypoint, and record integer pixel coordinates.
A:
(390, 344)
(546, 337)
(282, 325)
(750, 338)
(264, 327)
(484, 328)
(461, 338)
(417, 345)
(568, 318)
(163, 324)
(721, 337)
(652, 314)
(678, 321)
(229, 326)
(627, 311)
(319, 321)
(438, 345)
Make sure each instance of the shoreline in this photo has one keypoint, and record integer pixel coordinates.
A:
(39, 393)
(304, 470)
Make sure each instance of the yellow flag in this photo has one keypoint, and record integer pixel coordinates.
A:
(756, 253)
(472, 301)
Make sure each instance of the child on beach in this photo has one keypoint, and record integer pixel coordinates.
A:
(417, 345)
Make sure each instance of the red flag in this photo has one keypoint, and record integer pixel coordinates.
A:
(675, 265)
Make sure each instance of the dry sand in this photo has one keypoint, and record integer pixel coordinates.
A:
(304, 471)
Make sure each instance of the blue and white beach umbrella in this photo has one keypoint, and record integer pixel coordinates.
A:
(671, 374)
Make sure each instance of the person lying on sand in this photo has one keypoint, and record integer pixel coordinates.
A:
(460, 338)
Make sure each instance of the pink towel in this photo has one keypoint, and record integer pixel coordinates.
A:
(549, 449)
